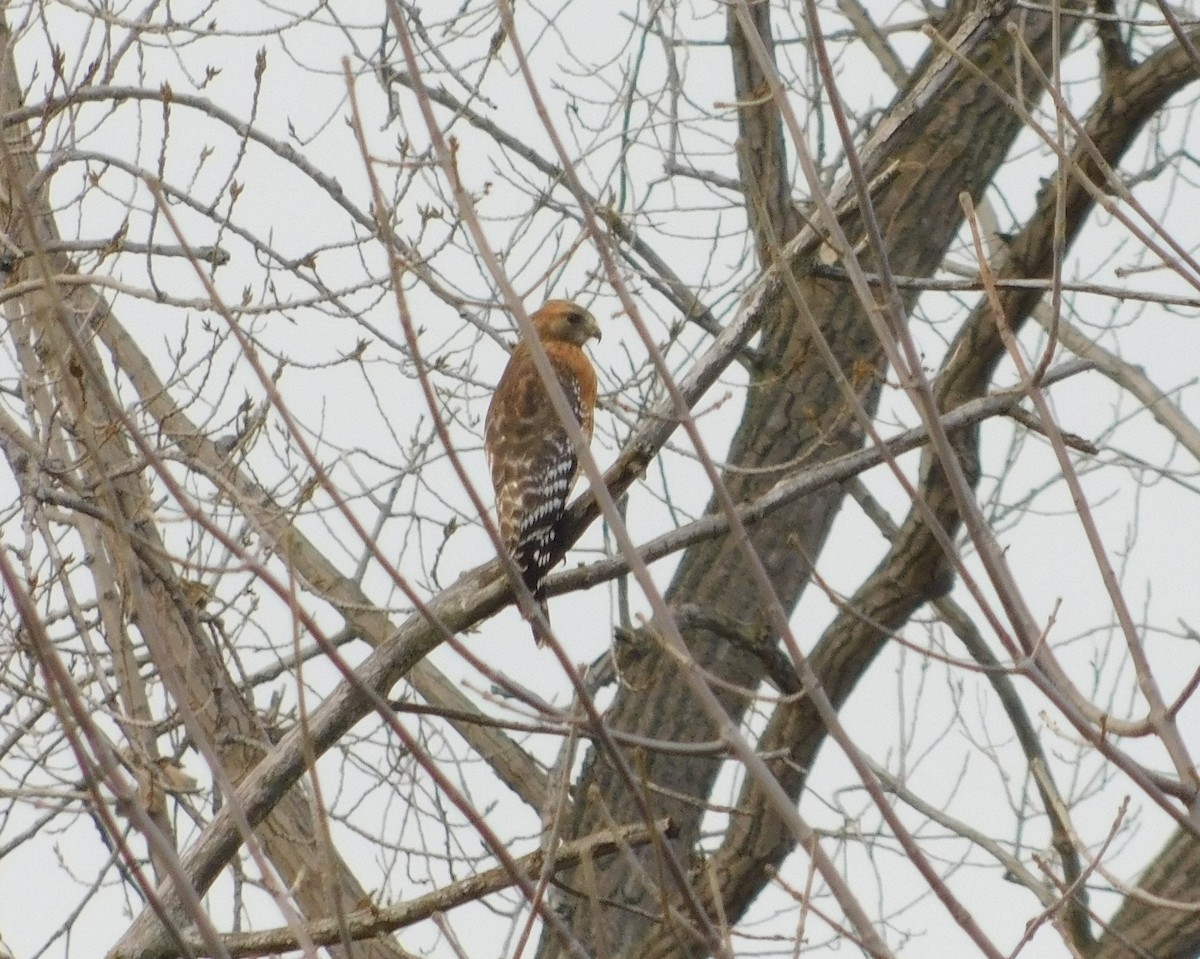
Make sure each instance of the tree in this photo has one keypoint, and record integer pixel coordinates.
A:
(261, 268)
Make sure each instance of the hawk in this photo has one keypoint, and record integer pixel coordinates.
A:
(532, 460)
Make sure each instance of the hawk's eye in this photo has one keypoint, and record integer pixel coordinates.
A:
(575, 318)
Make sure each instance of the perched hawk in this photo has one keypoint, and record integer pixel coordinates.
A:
(532, 460)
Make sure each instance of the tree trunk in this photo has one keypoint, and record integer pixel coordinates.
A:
(947, 133)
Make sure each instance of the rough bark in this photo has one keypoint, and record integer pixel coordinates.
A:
(1145, 929)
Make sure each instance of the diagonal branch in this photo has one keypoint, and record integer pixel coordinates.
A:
(367, 923)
